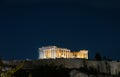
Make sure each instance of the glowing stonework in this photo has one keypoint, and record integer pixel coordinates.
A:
(55, 52)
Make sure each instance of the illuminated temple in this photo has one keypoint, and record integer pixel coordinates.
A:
(52, 52)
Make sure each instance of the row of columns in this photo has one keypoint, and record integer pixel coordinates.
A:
(44, 53)
(54, 53)
(59, 53)
(65, 54)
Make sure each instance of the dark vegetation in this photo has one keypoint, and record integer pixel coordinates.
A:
(99, 57)
(44, 71)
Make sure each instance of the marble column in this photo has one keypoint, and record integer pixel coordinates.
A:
(64, 54)
(50, 54)
(67, 54)
(43, 54)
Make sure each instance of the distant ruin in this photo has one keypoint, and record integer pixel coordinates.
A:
(55, 52)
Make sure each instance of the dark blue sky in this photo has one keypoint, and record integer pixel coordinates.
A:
(26, 25)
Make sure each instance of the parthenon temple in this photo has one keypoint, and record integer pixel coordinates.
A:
(52, 52)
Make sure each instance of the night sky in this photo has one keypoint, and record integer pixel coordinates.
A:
(26, 25)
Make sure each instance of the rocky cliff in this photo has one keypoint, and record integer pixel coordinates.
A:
(68, 68)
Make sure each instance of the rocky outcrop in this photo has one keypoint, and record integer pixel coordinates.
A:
(75, 73)
(74, 67)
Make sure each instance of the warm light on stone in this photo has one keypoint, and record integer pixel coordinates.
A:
(55, 52)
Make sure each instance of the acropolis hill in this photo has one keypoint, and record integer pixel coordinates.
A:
(52, 52)
(66, 67)
(61, 62)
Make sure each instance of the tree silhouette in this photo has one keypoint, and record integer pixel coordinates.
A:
(1, 66)
(1, 63)
(98, 56)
